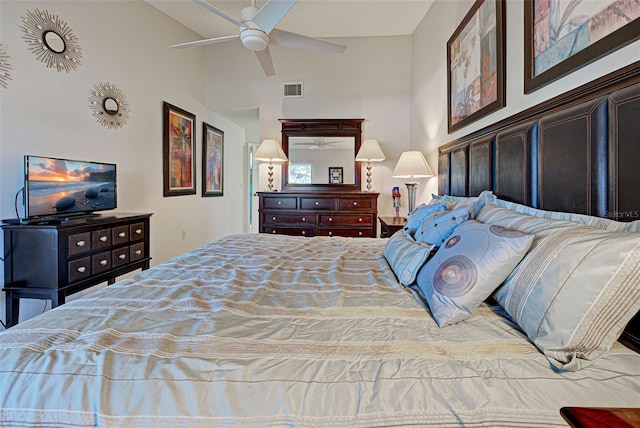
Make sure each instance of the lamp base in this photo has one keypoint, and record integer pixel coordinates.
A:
(411, 193)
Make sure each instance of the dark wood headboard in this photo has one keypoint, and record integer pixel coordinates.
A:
(578, 152)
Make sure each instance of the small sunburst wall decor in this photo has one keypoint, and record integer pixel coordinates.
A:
(5, 68)
(51, 40)
(109, 105)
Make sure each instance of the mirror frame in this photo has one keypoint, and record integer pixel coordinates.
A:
(322, 128)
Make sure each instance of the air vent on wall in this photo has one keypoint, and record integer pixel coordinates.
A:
(293, 89)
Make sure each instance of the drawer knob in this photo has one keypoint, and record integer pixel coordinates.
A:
(273, 231)
(330, 233)
(330, 218)
(122, 256)
(360, 219)
(122, 234)
(359, 233)
(138, 231)
(279, 202)
(103, 239)
(103, 262)
(82, 269)
(355, 203)
(304, 219)
(138, 252)
(317, 203)
(81, 243)
(304, 232)
(273, 218)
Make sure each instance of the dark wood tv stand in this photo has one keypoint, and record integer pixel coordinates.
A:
(51, 260)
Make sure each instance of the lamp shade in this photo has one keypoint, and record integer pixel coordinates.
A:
(271, 151)
(412, 164)
(370, 151)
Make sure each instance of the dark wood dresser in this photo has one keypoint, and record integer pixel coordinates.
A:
(351, 214)
(53, 260)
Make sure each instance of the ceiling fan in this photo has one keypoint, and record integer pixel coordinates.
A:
(257, 32)
(319, 143)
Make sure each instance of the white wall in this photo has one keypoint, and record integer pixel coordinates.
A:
(45, 112)
(371, 80)
(429, 77)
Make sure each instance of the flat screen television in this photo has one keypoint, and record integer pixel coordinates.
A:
(64, 187)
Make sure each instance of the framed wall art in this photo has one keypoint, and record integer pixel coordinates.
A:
(212, 160)
(476, 64)
(563, 35)
(179, 142)
(335, 175)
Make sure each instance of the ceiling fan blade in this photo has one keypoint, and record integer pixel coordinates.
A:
(217, 11)
(272, 13)
(264, 58)
(204, 42)
(293, 40)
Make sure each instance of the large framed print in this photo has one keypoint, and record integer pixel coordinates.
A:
(179, 155)
(476, 64)
(563, 35)
(212, 160)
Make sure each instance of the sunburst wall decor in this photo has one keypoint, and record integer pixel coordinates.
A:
(51, 40)
(5, 68)
(109, 105)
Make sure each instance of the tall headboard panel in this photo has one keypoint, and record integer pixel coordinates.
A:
(578, 152)
(572, 159)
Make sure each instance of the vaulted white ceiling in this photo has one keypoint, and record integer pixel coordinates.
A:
(315, 18)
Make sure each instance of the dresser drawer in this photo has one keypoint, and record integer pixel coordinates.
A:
(120, 256)
(120, 234)
(316, 203)
(101, 239)
(351, 233)
(281, 203)
(79, 243)
(79, 269)
(356, 203)
(346, 219)
(136, 252)
(272, 219)
(136, 231)
(292, 231)
(101, 262)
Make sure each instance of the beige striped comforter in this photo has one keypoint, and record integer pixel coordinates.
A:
(265, 331)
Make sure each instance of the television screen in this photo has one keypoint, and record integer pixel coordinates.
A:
(55, 187)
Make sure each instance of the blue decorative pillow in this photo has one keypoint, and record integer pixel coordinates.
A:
(406, 257)
(420, 213)
(471, 264)
(437, 227)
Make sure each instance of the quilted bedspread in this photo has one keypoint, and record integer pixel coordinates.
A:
(263, 331)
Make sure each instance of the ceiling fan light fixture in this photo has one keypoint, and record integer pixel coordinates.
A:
(254, 39)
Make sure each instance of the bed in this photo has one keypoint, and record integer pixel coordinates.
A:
(267, 331)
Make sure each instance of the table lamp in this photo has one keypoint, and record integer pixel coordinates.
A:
(270, 151)
(412, 165)
(369, 152)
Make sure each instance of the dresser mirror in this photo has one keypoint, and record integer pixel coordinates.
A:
(321, 154)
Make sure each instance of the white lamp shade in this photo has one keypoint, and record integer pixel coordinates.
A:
(271, 151)
(412, 164)
(370, 151)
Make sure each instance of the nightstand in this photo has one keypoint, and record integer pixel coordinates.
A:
(592, 417)
(390, 225)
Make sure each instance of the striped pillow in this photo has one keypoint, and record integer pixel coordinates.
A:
(406, 256)
(576, 289)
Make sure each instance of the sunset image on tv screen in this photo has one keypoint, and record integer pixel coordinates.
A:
(59, 186)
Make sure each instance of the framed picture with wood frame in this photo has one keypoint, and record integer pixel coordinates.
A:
(561, 36)
(476, 64)
(212, 160)
(179, 154)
